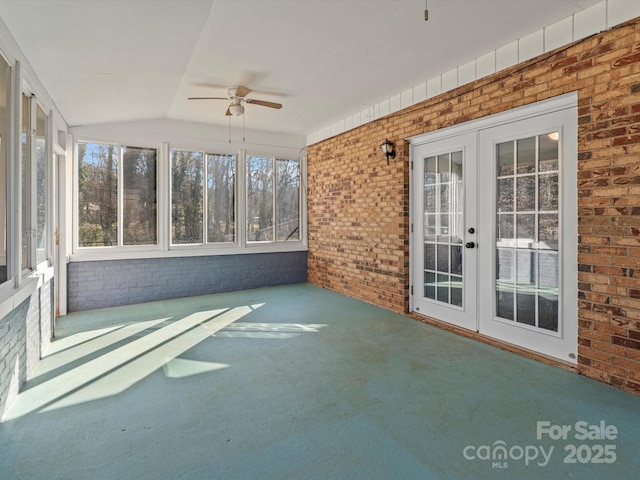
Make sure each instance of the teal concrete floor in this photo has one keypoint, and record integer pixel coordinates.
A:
(297, 382)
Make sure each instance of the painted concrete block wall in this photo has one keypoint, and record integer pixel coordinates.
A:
(25, 334)
(124, 282)
(358, 206)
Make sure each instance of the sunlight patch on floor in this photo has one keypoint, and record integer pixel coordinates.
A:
(69, 349)
(122, 367)
(181, 367)
(268, 330)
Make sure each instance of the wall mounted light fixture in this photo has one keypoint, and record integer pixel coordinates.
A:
(389, 149)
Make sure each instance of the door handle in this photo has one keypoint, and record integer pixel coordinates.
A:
(470, 245)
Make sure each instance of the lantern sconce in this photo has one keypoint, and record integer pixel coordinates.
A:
(389, 149)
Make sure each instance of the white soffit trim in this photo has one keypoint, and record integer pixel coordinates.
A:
(590, 21)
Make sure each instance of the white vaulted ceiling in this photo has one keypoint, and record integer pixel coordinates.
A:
(122, 60)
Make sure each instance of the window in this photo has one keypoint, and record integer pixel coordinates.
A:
(187, 185)
(25, 169)
(35, 187)
(139, 212)
(198, 206)
(118, 189)
(287, 200)
(112, 216)
(273, 199)
(259, 199)
(221, 179)
(41, 184)
(5, 82)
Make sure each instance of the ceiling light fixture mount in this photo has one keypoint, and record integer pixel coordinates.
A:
(389, 149)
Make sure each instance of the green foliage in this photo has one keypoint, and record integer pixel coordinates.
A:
(91, 236)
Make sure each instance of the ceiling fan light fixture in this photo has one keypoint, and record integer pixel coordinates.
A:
(236, 109)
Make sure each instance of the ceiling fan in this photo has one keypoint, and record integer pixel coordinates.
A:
(237, 96)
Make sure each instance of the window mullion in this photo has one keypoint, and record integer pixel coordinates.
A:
(163, 189)
(273, 201)
(205, 196)
(241, 198)
(120, 196)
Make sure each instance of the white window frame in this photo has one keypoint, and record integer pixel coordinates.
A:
(21, 283)
(34, 102)
(274, 161)
(12, 192)
(205, 200)
(164, 248)
(119, 203)
(49, 158)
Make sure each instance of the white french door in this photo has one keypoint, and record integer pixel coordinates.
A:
(494, 217)
(531, 254)
(444, 282)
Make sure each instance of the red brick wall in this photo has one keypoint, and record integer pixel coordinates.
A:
(358, 205)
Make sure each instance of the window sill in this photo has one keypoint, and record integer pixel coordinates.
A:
(11, 297)
(120, 253)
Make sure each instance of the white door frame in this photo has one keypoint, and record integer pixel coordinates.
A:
(61, 182)
(568, 103)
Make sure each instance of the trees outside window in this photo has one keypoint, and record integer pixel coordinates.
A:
(139, 206)
(100, 223)
(273, 199)
(287, 200)
(187, 186)
(118, 189)
(198, 206)
(221, 179)
(259, 199)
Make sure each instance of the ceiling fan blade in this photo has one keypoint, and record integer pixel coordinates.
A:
(263, 103)
(242, 91)
(228, 114)
(207, 98)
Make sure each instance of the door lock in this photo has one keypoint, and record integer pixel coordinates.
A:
(470, 245)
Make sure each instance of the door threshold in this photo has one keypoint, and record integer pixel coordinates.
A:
(509, 347)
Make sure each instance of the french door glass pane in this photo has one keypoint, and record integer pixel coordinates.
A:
(527, 242)
(443, 228)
